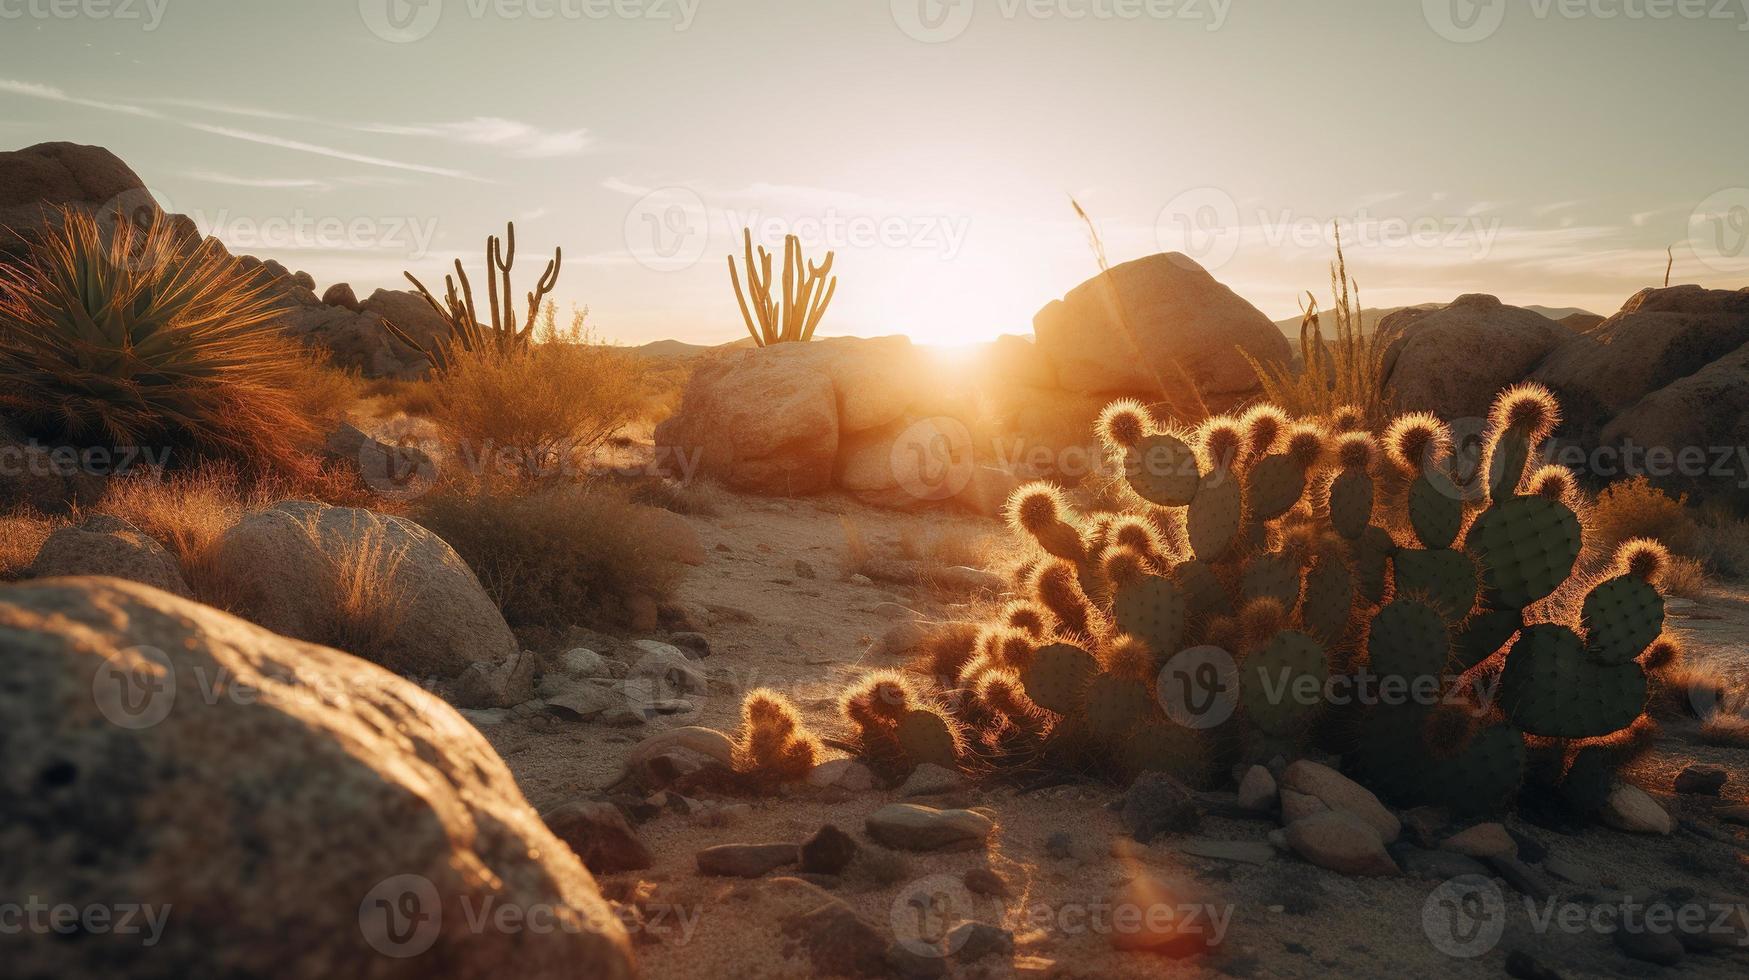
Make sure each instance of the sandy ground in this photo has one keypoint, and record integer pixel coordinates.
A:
(770, 623)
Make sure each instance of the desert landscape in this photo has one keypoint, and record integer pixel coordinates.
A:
(420, 627)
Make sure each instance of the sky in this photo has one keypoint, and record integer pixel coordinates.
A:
(1545, 151)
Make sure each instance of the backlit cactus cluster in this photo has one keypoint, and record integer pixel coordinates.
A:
(1273, 587)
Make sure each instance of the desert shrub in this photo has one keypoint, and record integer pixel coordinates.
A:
(116, 335)
(187, 513)
(699, 498)
(1725, 544)
(22, 534)
(368, 605)
(558, 555)
(1684, 577)
(1637, 509)
(538, 412)
(947, 546)
(325, 393)
(1333, 380)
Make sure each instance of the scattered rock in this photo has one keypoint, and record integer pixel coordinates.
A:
(930, 779)
(104, 545)
(1530, 849)
(1630, 809)
(846, 774)
(600, 836)
(828, 852)
(1341, 841)
(401, 469)
(745, 860)
(375, 792)
(1662, 948)
(912, 827)
(1521, 876)
(1060, 845)
(1297, 806)
(804, 570)
(582, 663)
(983, 881)
(504, 684)
(1701, 780)
(900, 640)
(581, 702)
(341, 294)
(679, 758)
(1157, 804)
(1426, 826)
(1484, 840)
(1338, 792)
(1524, 966)
(1418, 862)
(838, 942)
(970, 942)
(1242, 851)
(1737, 814)
(695, 645)
(1257, 790)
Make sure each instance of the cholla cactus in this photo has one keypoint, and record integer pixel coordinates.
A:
(773, 746)
(1301, 551)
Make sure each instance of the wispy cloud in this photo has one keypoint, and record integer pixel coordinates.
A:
(287, 183)
(518, 138)
(280, 142)
(53, 94)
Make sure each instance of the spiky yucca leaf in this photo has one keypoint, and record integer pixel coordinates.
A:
(115, 334)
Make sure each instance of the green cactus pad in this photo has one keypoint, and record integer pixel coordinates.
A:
(1116, 705)
(1172, 749)
(1282, 685)
(1058, 677)
(1484, 777)
(1161, 469)
(1409, 639)
(1483, 634)
(1329, 600)
(1151, 609)
(1273, 486)
(1274, 577)
(1506, 463)
(1371, 558)
(1436, 509)
(1351, 503)
(1447, 579)
(1621, 618)
(1526, 547)
(926, 738)
(1213, 518)
(1587, 783)
(1551, 688)
(1202, 590)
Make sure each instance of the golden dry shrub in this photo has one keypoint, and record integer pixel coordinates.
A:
(1636, 509)
(537, 412)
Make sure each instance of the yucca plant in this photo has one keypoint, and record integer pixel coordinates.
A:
(807, 291)
(120, 334)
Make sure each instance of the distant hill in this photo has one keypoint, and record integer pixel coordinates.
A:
(1369, 318)
(681, 350)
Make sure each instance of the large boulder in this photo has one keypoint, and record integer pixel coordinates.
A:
(415, 317)
(1452, 361)
(1689, 436)
(1188, 329)
(257, 806)
(105, 545)
(288, 567)
(1659, 336)
(47, 175)
(769, 420)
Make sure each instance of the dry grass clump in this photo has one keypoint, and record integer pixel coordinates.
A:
(948, 546)
(1683, 577)
(1637, 509)
(187, 513)
(558, 555)
(1725, 543)
(696, 498)
(537, 412)
(22, 534)
(368, 604)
